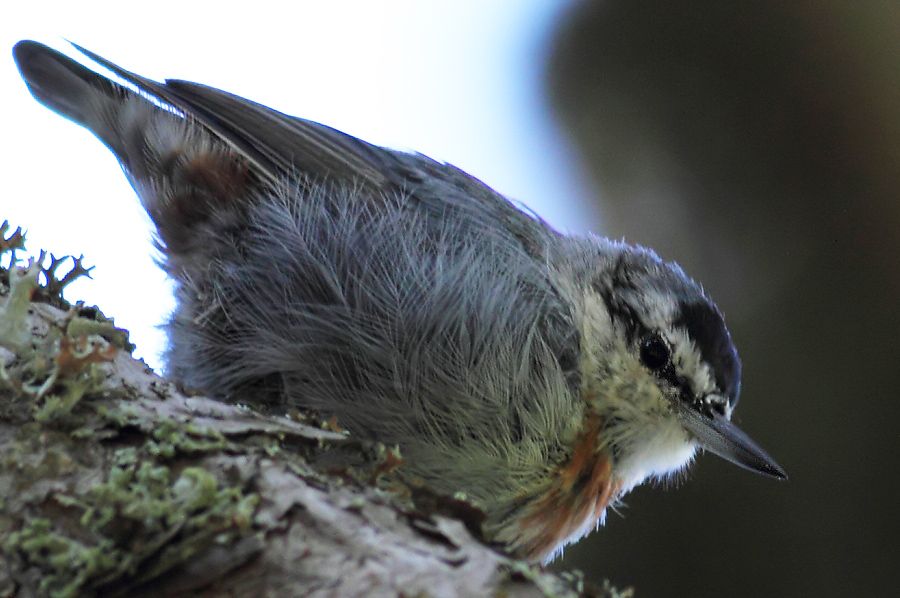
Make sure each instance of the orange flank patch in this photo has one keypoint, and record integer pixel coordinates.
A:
(581, 490)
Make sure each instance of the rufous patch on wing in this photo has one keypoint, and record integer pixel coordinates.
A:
(224, 176)
(195, 188)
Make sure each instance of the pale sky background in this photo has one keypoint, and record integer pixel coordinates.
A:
(459, 81)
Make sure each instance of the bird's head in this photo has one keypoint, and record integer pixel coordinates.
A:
(662, 371)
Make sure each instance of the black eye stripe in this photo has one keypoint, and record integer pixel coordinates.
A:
(663, 369)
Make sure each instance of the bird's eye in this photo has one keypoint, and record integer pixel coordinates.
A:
(654, 352)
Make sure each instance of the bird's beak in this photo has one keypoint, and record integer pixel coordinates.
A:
(721, 437)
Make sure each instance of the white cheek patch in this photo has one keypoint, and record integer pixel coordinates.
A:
(663, 451)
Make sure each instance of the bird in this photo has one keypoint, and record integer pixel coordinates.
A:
(540, 375)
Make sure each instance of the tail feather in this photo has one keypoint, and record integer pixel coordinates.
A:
(70, 89)
(184, 176)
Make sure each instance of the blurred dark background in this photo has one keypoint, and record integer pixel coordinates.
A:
(758, 144)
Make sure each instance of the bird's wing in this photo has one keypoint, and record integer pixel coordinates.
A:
(275, 143)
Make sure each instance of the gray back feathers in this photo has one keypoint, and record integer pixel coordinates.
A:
(435, 333)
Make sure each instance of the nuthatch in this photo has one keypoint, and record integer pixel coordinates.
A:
(542, 375)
